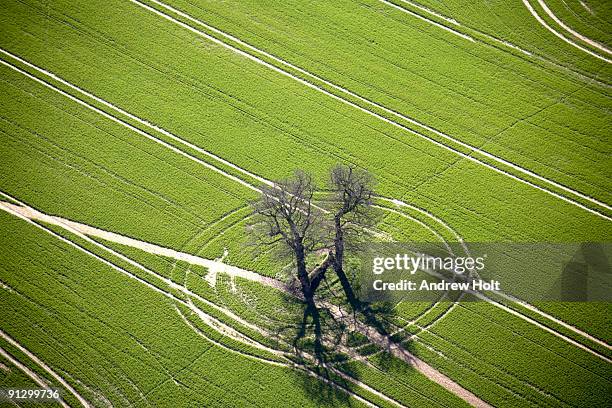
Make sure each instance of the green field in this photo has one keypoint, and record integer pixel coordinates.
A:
(146, 128)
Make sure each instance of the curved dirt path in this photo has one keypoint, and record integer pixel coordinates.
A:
(182, 256)
(140, 132)
(211, 321)
(81, 230)
(232, 177)
(561, 36)
(576, 34)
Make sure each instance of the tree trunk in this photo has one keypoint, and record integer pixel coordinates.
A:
(339, 269)
(300, 260)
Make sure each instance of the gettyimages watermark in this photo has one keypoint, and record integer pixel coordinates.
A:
(394, 272)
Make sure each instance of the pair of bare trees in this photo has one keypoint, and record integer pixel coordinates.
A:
(316, 234)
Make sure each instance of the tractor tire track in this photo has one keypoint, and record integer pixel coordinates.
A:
(576, 34)
(221, 327)
(236, 271)
(82, 231)
(345, 91)
(44, 366)
(225, 162)
(30, 373)
(561, 36)
(174, 149)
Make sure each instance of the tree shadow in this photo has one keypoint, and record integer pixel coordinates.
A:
(331, 375)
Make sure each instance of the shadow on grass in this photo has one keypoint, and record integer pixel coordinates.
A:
(325, 344)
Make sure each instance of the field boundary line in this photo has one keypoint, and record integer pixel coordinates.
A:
(561, 36)
(385, 109)
(45, 367)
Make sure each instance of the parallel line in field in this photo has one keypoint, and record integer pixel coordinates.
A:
(85, 104)
(30, 373)
(544, 327)
(44, 366)
(131, 116)
(553, 319)
(232, 270)
(486, 374)
(519, 301)
(346, 91)
(121, 122)
(540, 57)
(435, 23)
(196, 221)
(561, 36)
(508, 297)
(27, 371)
(376, 115)
(432, 12)
(291, 364)
(480, 373)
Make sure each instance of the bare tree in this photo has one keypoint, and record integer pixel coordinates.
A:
(351, 199)
(285, 215)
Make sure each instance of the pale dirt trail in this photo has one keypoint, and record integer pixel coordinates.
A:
(586, 7)
(78, 229)
(242, 182)
(112, 118)
(45, 367)
(398, 351)
(209, 320)
(83, 231)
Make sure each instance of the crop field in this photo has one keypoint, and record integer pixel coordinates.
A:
(135, 136)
